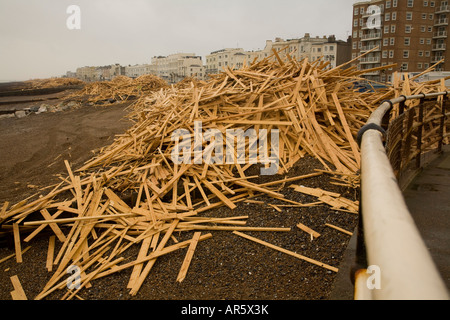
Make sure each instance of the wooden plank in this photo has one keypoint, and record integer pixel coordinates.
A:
(50, 253)
(261, 122)
(75, 184)
(233, 228)
(339, 229)
(3, 210)
(346, 127)
(17, 243)
(219, 194)
(316, 192)
(18, 293)
(291, 253)
(314, 234)
(188, 258)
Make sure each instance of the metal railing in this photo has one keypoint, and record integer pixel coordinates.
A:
(395, 137)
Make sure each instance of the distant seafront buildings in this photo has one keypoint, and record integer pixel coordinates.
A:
(175, 67)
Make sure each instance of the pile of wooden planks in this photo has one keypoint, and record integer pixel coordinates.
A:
(132, 193)
(54, 82)
(121, 88)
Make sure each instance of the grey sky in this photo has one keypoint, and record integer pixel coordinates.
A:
(35, 42)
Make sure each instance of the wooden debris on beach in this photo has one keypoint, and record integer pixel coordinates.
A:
(54, 83)
(121, 88)
(132, 192)
(18, 293)
(335, 200)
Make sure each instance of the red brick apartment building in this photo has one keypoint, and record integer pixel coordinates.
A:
(410, 33)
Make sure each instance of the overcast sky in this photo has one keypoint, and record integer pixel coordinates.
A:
(35, 41)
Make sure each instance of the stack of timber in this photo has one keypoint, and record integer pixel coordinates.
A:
(315, 108)
(121, 88)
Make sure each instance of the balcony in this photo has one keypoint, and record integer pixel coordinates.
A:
(365, 60)
(370, 47)
(440, 34)
(372, 73)
(443, 9)
(437, 58)
(368, 14)
(371, 36)
(441, 22)
(439, 47)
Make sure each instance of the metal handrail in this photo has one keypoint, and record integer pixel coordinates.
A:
(388, 236)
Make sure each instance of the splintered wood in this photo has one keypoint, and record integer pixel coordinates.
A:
(121, 88)
(138, 192)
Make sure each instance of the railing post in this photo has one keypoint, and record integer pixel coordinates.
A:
(419, 133)
(401, 107)
(442, 125)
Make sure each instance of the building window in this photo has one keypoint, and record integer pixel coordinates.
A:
(424, 16)
(354, 45)
(427, 54)
(419, 66)
(385, 42)
(408, 29)
(409, 16)
(387, 17)
(394, 3)
(406, 54)
(392, 42)
(385, 54)
(426, 65)
(388, 4)
(407, 41)
(393, 28)
(423, 28)
(355, 34)
(356, 11)
(420, 53)
(386, 29)
(430, 29)
(361, 10)
(422, 41)
(394, 16)
(428, 41)
(430, 16)
(432, 4)
(410, 3)
(391, 54)
(404, 66)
